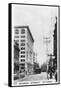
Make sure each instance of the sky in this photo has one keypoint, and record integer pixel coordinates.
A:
(41, 20)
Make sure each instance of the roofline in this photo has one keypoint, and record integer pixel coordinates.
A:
(27, 28)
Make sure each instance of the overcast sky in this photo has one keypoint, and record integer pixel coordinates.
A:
(40, 20)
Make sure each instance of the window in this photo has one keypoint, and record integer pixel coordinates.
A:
(22, 55)
(22, 64)
(22, 48)
(22, 44)
(22, 67)
(16, 36)
(17, 41)
(22, 36)
(22, 60)
(23, 52)
(16, 31)
(22, 31)
(22, 40)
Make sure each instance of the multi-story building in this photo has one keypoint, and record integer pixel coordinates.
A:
(25, 40)
(53, 58)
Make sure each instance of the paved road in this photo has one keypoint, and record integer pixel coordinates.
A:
(42, 76)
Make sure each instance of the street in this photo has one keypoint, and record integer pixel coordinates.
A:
(35, 77)
(42, 77)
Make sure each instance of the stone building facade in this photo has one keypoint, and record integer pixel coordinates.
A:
(24, 38)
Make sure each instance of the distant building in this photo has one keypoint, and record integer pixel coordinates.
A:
(25, 40)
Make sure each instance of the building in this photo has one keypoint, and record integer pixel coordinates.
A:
(24, 38)
(16, 60)
(55, 46)
(53, 58)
